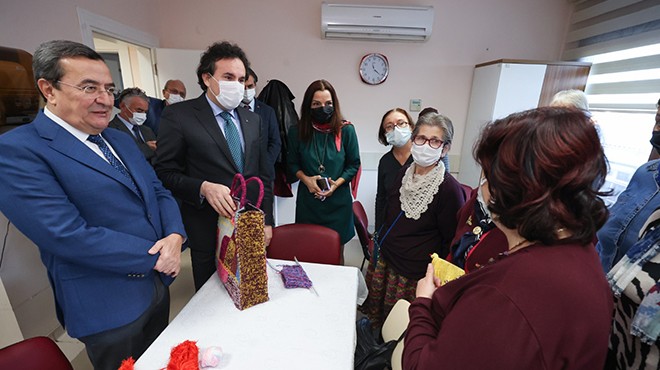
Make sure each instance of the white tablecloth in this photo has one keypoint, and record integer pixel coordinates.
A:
(295, 329)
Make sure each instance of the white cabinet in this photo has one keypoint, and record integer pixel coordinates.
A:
(502, 87)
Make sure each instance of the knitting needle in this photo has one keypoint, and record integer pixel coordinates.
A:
(310, 280)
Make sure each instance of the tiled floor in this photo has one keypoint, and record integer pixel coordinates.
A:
(180, 292)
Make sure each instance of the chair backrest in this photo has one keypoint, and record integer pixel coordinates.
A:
(361, 223)
(306, 242)
(395, 323)
(34, 353)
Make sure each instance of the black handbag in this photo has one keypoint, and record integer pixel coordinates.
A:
(370, 354)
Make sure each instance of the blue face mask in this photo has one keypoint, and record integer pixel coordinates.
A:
(399, 136)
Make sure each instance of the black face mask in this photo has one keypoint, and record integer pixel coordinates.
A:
(655, 141)
(322, 114)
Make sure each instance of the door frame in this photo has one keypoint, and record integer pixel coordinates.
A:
(91, 22)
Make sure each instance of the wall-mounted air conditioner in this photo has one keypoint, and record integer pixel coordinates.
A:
(375, 22)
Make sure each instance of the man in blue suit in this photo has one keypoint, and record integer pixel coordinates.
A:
(270, 129)
(108, 232)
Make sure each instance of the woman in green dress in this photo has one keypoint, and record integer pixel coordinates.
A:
(324, 146)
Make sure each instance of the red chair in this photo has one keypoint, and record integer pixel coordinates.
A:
(34, 353)
(306, 242)
(361, 227)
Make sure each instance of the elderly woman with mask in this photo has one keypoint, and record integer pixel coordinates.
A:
(395, 129)
(420, 219)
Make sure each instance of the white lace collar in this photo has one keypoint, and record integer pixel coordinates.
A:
(417, 191)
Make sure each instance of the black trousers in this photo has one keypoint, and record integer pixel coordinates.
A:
(106, 350)
(202, 229)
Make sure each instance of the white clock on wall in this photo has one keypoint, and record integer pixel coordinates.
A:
(374, 68)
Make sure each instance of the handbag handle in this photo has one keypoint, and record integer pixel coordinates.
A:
(239, 186)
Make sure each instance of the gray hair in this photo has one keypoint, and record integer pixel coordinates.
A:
(132, 92)
(46, 59)
(570, 99)
(436, 120)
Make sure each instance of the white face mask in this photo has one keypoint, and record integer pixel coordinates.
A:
(230, 94)
(480, 198)
(138, 118)
(174, 98)
(249, 95)
(425, 156)
(399, 136)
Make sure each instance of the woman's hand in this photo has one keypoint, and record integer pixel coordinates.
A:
(333, 186)
(310, 182)
(428, 284)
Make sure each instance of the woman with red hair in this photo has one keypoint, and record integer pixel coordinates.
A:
(544, 303)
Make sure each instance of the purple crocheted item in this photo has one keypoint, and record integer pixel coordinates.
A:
(295, 277)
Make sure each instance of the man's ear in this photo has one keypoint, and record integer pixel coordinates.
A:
(206, 77)
(47, 89)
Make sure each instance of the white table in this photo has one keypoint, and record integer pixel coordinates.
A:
(295, 329)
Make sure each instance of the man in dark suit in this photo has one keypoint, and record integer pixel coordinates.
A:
(203, 143)
(133, 106)
(109, 234)
(271, 132)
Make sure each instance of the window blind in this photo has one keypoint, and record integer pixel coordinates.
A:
(622, 40)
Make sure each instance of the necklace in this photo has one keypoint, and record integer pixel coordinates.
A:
(321, 167)
(516, 247)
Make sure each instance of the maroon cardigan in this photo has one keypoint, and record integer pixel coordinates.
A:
(543, 307)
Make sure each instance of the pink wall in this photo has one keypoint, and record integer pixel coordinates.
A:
(282, 40)
(25, 24)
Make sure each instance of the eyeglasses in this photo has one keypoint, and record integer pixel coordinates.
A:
(93, 90)
(433, 143)
(399, 124)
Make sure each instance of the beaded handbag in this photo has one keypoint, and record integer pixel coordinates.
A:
(241, 250)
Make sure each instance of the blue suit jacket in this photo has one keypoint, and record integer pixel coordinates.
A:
(271, 135)
(92, 229)
(156, 107)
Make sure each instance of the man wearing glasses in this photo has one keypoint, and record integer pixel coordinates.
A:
(109, 234)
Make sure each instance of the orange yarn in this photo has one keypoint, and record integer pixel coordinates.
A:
(127, 364)
(185, 356)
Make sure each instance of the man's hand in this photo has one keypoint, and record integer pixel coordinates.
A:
(268, 234)
(169, 261)
(428, 284)
(151, 144)
(218, 196)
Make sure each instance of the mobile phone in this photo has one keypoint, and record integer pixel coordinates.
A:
(323, 183)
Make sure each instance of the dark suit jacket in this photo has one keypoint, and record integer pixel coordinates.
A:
(146, 132)
(192, 149)
(271, 137)
(93, 230)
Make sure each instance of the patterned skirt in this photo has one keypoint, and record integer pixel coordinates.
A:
(386, 287)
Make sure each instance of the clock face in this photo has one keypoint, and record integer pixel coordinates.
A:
(374, 69)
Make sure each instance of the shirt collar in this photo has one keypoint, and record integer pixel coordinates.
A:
(126, 123)
(82, 136)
